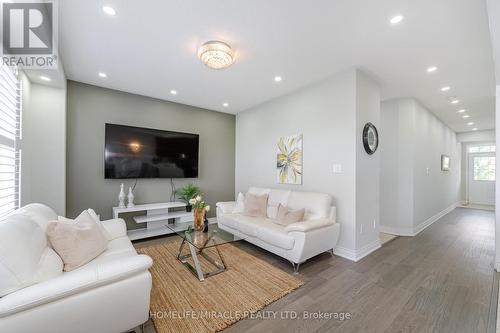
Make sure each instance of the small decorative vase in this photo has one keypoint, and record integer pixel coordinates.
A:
(189, 208)
(199, 214)
(121, 197)
(130, 198)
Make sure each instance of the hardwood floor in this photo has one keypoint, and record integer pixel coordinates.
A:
(438, 281)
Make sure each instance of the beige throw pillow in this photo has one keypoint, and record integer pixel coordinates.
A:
(287, 216)
(256, 205)
(76, 242)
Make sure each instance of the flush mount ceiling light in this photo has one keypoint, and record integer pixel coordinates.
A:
(432, 69)
(397, 19)
(225, 105)
(461, 111)
(465, 116)
(277, 79)
(173, 92)
(216, 54)
(45, 78)
(103, 75)
(109, 10)
(455, 101)
(474, 129)
(470, 124)
(445, 88)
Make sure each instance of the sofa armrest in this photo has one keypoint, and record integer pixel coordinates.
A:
(309, 225)
(116, 228)
(226, 207)
(74, 282)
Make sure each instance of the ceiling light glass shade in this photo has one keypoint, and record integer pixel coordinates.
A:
(216, 55)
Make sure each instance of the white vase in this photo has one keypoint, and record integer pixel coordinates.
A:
(121, 197)
(130, 198)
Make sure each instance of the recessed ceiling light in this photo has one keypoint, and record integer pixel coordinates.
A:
(445, 88)
(432, 69)
(225, 105)
(470, 124)
(277, 78)
(397, 19)
(455, 101)
(461, 111)
(465, 116)
(474, 129)
(109, 10)
(45, 78)
(173, 92)
(103, 75)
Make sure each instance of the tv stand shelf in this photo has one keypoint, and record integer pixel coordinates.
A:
(157, 215)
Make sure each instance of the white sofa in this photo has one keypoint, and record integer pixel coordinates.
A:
(109, 294)
(295, 242)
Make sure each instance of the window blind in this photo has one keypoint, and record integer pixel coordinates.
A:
(10, 136)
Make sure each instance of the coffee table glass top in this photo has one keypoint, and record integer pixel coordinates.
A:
(202, 240)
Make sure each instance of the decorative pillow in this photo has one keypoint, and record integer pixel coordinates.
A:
(287, 216)
(240, 204)
(85, 214)
(77, 242)
(256, 205)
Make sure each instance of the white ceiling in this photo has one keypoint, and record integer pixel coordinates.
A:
(150, 47)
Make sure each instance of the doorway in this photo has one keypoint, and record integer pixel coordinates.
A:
(481, 176)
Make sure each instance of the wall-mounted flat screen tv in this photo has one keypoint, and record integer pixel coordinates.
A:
(134, 152)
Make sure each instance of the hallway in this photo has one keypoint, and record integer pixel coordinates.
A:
(438, 281)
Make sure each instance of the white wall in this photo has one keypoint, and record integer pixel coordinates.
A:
(328, 116)
(477, 136)
(43, 165)
(414, 190)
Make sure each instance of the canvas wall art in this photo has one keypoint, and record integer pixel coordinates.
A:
(289, 160)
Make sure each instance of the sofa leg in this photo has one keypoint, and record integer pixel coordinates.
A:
(331, 252)
(295, 268)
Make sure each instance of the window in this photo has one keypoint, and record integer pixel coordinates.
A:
(10, 153)
(482, 149)
(484, 168)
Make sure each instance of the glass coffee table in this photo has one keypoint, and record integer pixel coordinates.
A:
(198, 242)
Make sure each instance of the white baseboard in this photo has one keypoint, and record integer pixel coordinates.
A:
(402, 231)
(419, 228)
(357, 254)
(397, 231)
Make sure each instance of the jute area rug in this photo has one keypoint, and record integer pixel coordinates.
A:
(181, 303)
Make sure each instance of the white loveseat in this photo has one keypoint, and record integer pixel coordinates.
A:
(109, 294)
(295, 242)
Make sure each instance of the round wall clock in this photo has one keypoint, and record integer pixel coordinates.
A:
(370, 138)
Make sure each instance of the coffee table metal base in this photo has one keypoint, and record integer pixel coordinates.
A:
(197, 270)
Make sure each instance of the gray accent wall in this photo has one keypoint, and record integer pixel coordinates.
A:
(90, 107)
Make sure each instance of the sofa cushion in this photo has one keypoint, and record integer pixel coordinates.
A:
(22, 247)
(39, 213)
(275, 234)
(288, 216)
(276, 198)
(256, 205)
(239, 207)
(77, 242)
(317, 205)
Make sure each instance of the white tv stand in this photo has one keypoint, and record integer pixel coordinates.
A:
(157, 215)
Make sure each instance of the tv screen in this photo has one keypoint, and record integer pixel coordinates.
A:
(133, 152)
